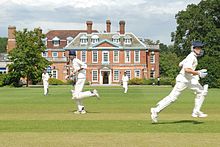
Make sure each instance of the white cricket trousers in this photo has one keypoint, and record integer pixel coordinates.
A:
(178, 88)
(79, 95)
(125, 86)
(46, 84)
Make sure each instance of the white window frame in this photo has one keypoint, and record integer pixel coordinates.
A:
(94, 40)
(114, 76)
(53, 54)
(152, 57)
(126, 56)
(3, 70)
(44, 41)
(103, 57)
(115, 57)
(93, 76)
(138, 53)
(63, 54)
(44, 55)
(56, 42)
(129, 75)
(127, 41)
(135, 73)
(83, 52)
(93, 56)
(52, 73)
(116, 40)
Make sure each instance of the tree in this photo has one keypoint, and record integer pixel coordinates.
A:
(3, 44)
(200, 22)
(26, 58)
(169, 64)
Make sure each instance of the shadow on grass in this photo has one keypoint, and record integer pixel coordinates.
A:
(181, 121)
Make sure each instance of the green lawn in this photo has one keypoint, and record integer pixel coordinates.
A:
(27, 118)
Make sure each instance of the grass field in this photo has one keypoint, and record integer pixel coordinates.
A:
(27, 119)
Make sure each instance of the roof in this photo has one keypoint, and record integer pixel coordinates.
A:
(64, 34)
(106, 37)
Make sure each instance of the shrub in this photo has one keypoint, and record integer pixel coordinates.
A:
(148, 81)
(53, 81)
(136, 81)
(2, 80)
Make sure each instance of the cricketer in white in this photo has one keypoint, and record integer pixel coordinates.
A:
(188, 77)
(79, 70)
(45, 78)
(125, 82)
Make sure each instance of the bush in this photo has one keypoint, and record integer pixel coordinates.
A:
(167, 81)
(136, 81)
(53, 81)
(2, 80)
(148, 81)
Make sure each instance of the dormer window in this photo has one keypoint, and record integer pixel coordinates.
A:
(56, 41)
(127, 39)
(69, 39)
(116, 39)
(83, 40)
(44, 41)
(95, 39)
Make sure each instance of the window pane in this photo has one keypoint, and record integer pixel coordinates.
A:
(137, 56)
(95, 56)
(128, 73)
(105, 56)
(127, 56)
(116, 75)
(116, 56)
(137, 73)
(94, 75)
(54, 54)
(83, 56)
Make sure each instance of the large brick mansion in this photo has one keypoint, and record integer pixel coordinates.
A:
(107, 54)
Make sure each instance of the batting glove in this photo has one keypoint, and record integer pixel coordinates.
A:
(203, 73)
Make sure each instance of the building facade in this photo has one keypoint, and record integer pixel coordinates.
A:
(107, 54)
(110, 54)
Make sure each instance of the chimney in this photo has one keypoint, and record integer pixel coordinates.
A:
(11, 38)
(122, 27)
(89, 27)
(108, 26)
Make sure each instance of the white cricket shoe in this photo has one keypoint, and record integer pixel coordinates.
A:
(96, 93)
(77, 112)
(83, 112)
(199, 114)
(153, 115)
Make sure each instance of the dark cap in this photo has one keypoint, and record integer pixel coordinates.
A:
(197, 44)
(72, 52)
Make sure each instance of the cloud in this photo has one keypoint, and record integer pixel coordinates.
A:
(145, 18)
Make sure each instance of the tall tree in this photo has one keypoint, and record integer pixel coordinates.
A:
(3, 44)
(200, 22)
(27, 61)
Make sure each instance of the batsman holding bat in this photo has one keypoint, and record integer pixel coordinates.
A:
(188, 77)
(79, 76)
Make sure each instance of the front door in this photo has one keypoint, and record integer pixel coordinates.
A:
(105, 77)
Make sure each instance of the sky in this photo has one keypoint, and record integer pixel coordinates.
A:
(151, 19)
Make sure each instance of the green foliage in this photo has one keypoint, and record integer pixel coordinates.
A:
(136, 81)
(169, 65)
(3, 44)
(26, 58)
(53, 81)
(203, 23)
(213, 69)
(2, 79)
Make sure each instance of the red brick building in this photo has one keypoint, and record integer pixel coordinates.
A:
(107, 54)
